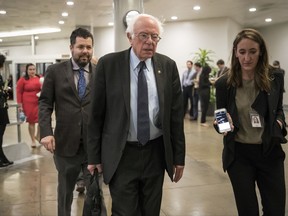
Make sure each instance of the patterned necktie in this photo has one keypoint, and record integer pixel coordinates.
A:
(143, 127)
(81, 83)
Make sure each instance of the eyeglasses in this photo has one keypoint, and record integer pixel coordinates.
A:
(145, 36)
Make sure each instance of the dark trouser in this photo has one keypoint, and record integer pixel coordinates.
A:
(136, 187)
(187, 95)
(195, 103)
(2, 155)
(68, 170)
(250, 167)
(204, 95)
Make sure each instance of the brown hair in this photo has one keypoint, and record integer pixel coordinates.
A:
(261, 76)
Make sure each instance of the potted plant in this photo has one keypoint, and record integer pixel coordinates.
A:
(203, 56)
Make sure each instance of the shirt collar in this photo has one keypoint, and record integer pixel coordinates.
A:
(135, 60)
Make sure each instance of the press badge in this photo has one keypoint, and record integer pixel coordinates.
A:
(255, 119)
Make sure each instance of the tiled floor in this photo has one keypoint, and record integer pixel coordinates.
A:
(28, 188)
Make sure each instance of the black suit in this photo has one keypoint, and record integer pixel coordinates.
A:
(261, 163)
(59, 92)
(110, 118)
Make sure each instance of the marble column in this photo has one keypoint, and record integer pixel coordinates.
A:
(121, 7)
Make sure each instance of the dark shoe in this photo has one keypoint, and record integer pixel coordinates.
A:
(9, 162)
(2, 164)
(80, 187)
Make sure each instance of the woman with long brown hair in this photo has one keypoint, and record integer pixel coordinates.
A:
(252, 150)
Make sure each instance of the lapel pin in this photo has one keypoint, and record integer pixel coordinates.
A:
(159, 72)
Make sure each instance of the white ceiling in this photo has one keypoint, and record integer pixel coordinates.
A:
(28, 14)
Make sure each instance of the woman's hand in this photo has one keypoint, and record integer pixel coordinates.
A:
(280, 124)
(230, 122)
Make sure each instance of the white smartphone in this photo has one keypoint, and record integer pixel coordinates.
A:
(222, 120)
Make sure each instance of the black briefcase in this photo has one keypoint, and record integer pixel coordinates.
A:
(93, 200)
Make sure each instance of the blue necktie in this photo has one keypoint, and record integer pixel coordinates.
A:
(81, 83)
(143, 127)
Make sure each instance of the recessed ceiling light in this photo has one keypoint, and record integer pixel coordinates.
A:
(61, 22)
(252, 9)
(1, 40)
(268, 20)
(70, 3)
(110, 24)
(2, 12)
(64, 14)
(174, 17)
(197, 7)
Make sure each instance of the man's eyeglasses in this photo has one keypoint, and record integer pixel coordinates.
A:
(145, 36)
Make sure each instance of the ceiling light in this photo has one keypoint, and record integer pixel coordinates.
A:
(110, 24)
(64, 14)
(61, 22)
(268, 20)
(2, 12)
(252, 9)
(36, 37)
(29, 32)
(174, 17)
(197, 7)
(70, 3)
(1, 40)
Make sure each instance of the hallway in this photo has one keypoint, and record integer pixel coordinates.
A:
(28, 188)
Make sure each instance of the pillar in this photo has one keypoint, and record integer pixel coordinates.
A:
(121, 7)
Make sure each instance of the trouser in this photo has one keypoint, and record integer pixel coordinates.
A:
(68, 170)
(136, 187)
(187, 96)
(2, 155)
(250, 167)
(204, 95)
(195, 103)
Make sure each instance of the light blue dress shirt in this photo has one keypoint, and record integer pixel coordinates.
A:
(155, 125)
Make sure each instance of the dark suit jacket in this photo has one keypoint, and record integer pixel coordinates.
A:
(4, 119)
(269, 105)
(110, 113)
(59, 92)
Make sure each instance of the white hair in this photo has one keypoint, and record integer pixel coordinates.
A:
(131, 23)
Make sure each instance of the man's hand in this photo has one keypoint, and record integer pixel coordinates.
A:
(49, 143)
(92, 167)
(178, 172)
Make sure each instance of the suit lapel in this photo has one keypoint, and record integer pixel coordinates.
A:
(70, 77)
(88, 87)
(159, 74)
(124, 62)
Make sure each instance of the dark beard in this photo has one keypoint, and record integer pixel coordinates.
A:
(82, 64)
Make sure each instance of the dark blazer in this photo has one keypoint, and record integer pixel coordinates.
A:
(269, 105)
(59, 92)
(110, 113)
(4, 119)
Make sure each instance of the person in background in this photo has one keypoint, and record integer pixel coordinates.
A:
(252, 151)
(187, 86)
(136, 121)
(222, 68)
(204, 93)
(27, 88)
(4, 118)
(276, 65)
(67, 88)
(195, 92)
(10, 87)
